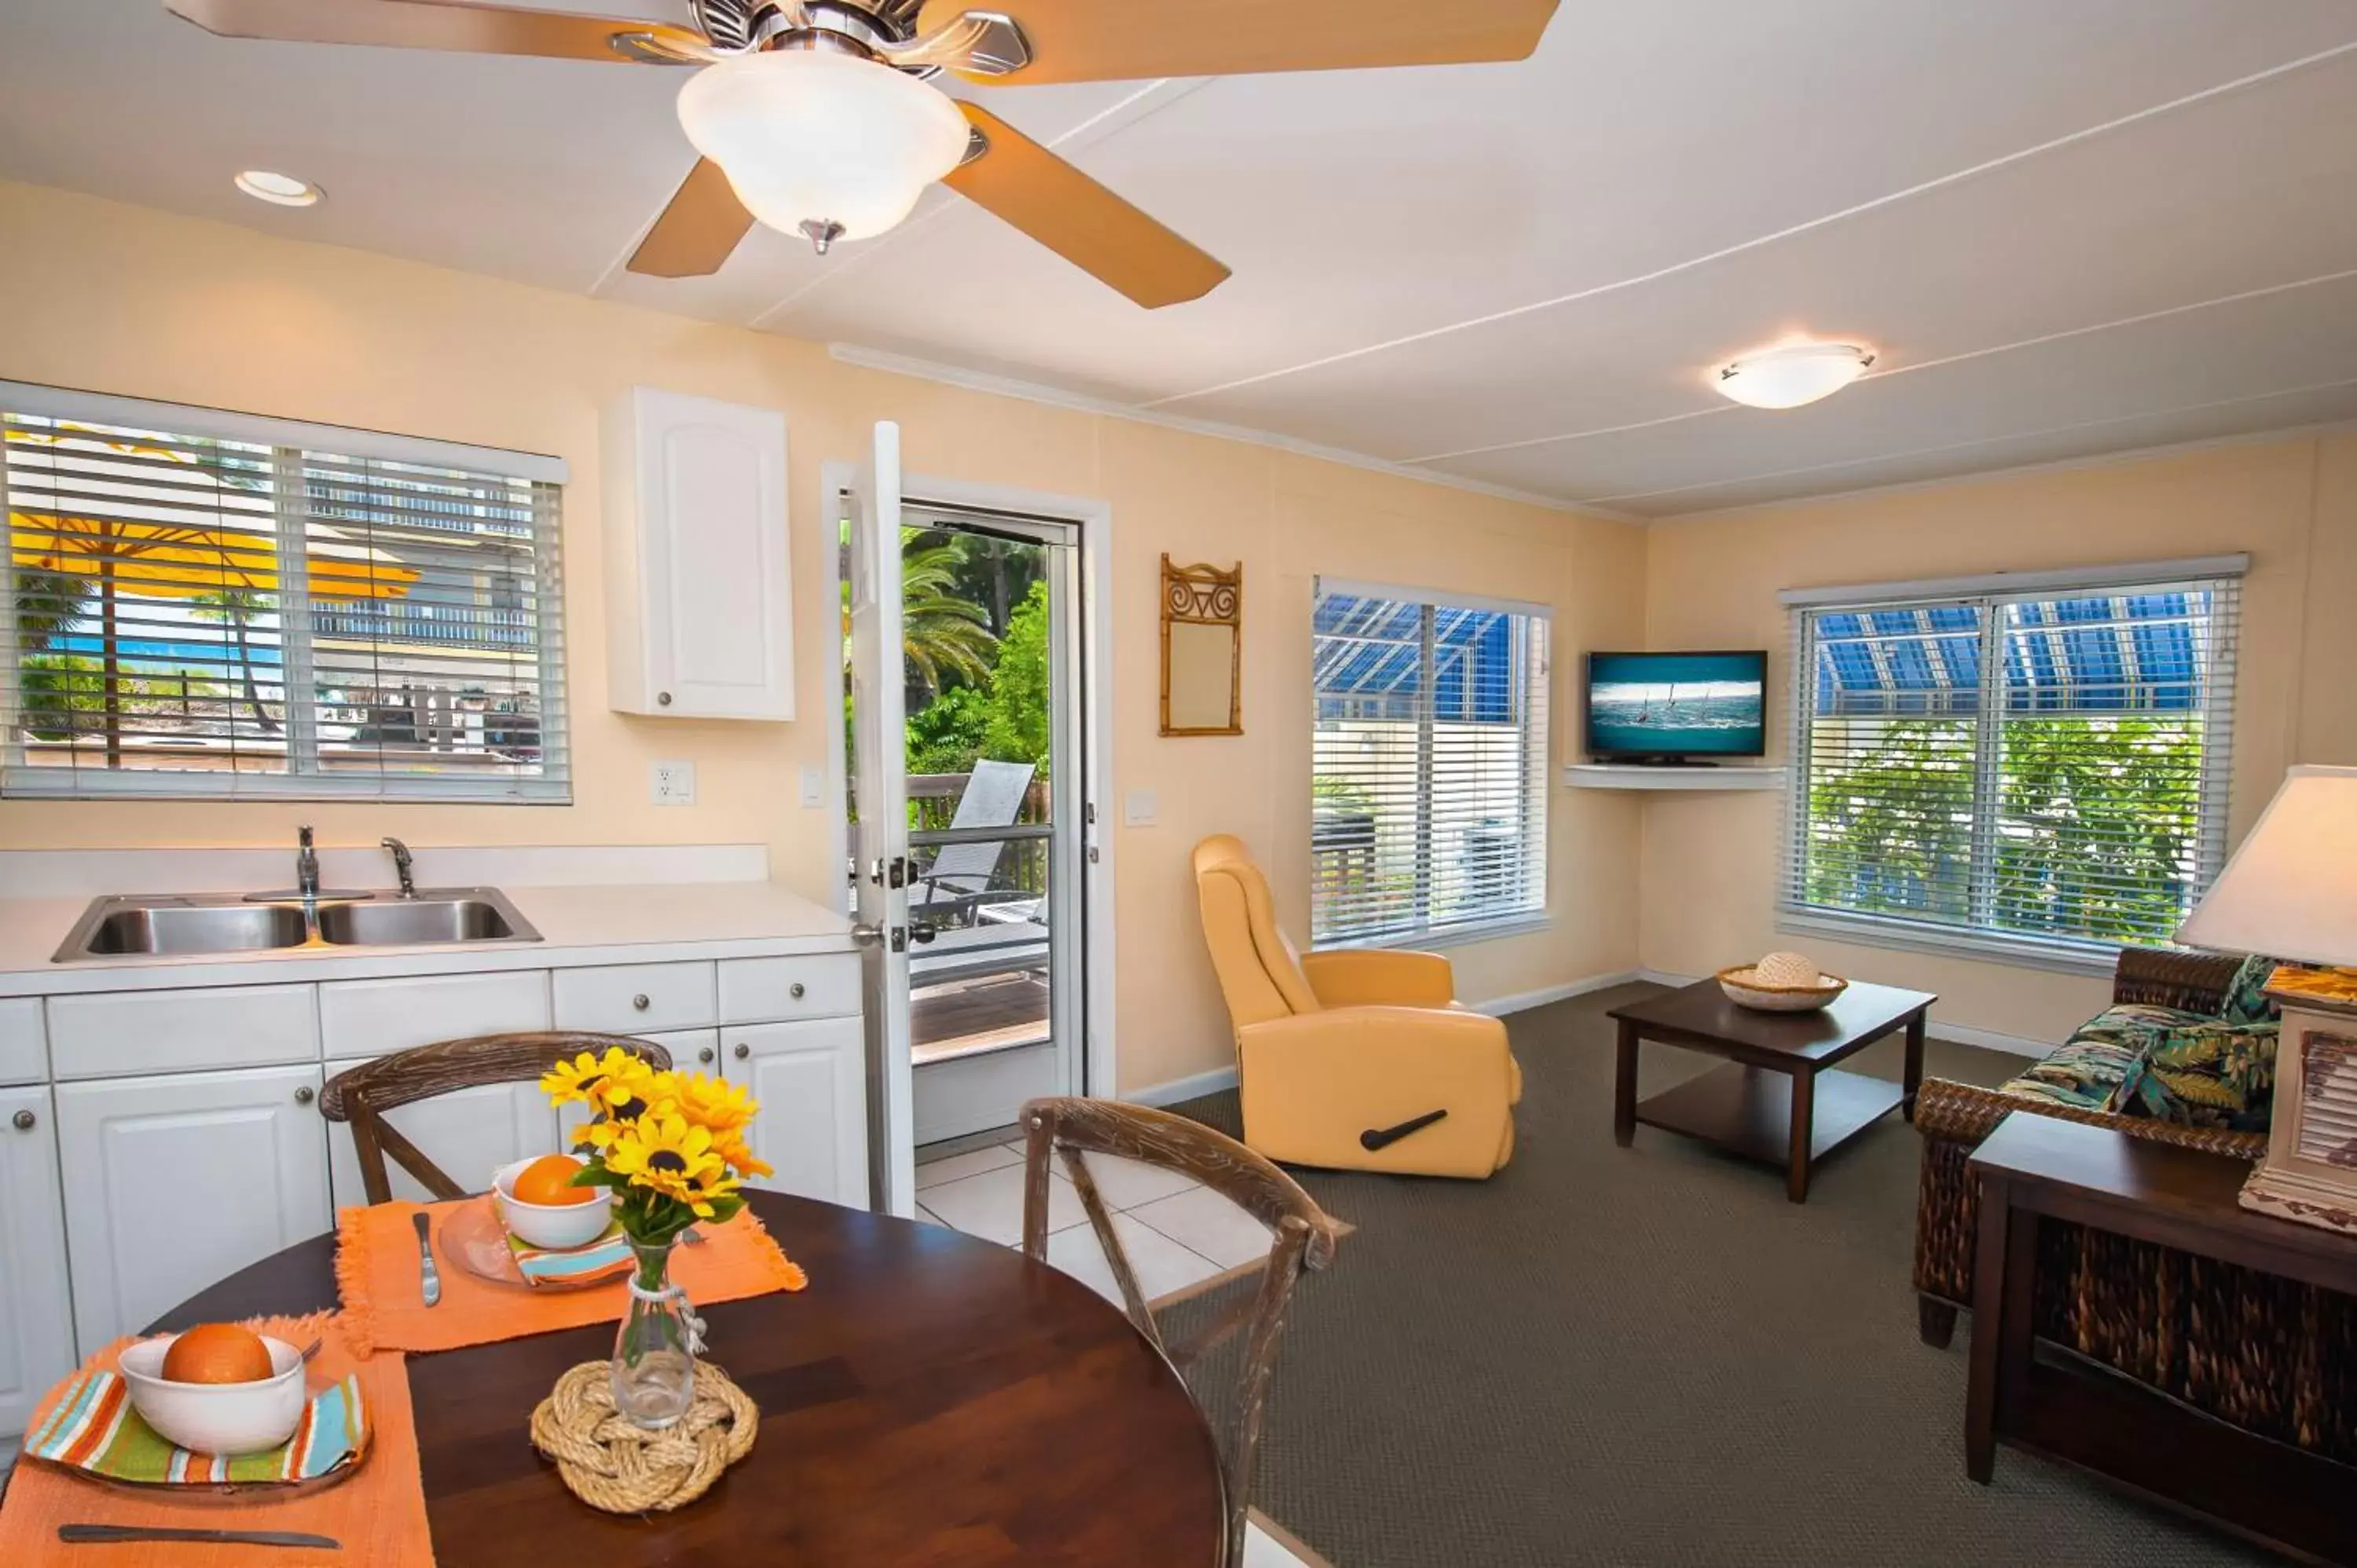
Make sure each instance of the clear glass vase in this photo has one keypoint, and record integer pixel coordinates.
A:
(655, 1349)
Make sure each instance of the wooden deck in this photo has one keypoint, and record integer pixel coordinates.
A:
(986, 1013)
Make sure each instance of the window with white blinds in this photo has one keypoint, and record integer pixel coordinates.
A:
(2046, 766)
(1429, 765)
(213, 606)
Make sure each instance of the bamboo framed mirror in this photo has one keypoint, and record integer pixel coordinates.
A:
(1202, 650)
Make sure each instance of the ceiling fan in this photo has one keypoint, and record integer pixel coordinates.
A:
(820, 116)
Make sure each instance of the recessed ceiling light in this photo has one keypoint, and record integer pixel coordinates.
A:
(280, 190)
(1792, 374)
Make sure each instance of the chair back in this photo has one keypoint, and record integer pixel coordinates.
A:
(1260, 972)
(1305, 1241)
(362, 1095)
(993, 799)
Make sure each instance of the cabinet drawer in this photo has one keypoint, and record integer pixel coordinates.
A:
(24, 1053)
(370, 1017)
(179, 1031)
(693, 1050)
(760, 990)
(632, 998)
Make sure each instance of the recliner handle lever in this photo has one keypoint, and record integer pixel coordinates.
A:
(1375, 1138)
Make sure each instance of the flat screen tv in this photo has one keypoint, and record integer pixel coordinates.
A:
(1670, 707)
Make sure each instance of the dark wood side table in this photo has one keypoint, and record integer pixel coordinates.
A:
(1782, 1101)
(2067, 1409)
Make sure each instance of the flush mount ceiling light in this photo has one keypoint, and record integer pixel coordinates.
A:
(278, 189)
(830, 145)
(1792, 374)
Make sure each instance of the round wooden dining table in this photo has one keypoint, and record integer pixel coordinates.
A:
(928, 1400)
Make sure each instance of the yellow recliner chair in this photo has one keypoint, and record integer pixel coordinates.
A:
(1358, 1059)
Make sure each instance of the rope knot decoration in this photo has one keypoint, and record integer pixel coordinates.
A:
(619, 1467)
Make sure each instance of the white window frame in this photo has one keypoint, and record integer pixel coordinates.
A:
(19, 781)
(1537, 764)
(2020, 949)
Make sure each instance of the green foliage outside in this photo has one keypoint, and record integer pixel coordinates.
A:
(946, 735)
(1004, 715)
(2096, 828)
(65, 694)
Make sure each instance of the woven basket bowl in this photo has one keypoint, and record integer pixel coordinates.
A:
(1742, 987)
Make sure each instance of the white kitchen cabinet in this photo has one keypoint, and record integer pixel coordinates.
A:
(37, 1342)
(635, 998)
(24, 1046)
(699, 583)
(470, 1132)
(178, 1180)
(812, 1081)
(360, 1019)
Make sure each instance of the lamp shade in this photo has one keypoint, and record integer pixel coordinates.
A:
(808, 137)
(2290, 891)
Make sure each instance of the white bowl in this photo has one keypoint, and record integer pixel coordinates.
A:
(216, 1418)
(1743, 989)
(559, 1227)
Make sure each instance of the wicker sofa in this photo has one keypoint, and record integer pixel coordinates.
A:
(2264, 1354)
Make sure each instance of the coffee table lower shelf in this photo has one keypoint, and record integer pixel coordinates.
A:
(1749, 1109)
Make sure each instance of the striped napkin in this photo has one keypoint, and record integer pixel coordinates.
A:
(92, 1427)
(602, 1259)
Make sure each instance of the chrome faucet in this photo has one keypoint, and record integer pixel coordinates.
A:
(400, 865)
(306, 865)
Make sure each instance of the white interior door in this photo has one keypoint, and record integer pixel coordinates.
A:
(880, 795)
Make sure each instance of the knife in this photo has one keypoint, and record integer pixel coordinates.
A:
(430, 1286)
(92, 1534)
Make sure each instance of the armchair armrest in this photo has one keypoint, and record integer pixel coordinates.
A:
(2197, 981)
(1313, 1084)
(1380, 977)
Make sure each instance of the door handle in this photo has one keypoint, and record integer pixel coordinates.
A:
(865, 934)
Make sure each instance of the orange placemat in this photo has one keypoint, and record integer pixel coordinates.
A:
(378, 1275)
(378, 1514)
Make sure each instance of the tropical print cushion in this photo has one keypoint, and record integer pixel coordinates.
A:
(2219, 1073)
(2091, 1072)
(2247, 1001)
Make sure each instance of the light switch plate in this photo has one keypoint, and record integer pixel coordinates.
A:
(673, 783)
(1140, 809)
(813, 784)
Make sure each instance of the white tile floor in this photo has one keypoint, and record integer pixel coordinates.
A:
(1176, 1232)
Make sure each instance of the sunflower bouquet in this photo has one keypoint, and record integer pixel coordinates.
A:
(671, 1144)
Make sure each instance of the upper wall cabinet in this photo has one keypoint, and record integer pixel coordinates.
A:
(699, 584)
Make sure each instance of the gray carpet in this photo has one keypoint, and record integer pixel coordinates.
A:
(1647, 1356)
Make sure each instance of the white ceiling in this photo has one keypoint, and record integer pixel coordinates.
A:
(2070, 227)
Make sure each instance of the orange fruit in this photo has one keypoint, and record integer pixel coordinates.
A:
(549, 1180)
(218, 1353)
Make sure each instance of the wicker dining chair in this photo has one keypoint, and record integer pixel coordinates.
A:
(362, 1095)
(1306, 1238)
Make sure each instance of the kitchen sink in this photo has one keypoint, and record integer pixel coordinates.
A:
(183, 925)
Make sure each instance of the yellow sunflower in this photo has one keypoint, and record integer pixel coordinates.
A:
(731, 1146)
(712, 1102)
(607, 1084)
(663, 1155)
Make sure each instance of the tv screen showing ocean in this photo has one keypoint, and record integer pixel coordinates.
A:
(1688, 705)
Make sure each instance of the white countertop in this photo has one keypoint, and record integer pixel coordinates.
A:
(627, 924)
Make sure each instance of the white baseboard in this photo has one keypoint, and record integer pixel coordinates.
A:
(1521, 1000)
(1178, 1088)
(1942, 1028)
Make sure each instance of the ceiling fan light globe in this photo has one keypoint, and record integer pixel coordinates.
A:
(1792, 375)
(817, 137)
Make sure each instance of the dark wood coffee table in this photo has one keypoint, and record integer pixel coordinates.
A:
(1781, 1100)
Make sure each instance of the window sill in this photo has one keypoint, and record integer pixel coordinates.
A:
(1452, 937)
(1983, 946)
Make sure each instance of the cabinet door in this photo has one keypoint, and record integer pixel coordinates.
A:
(714, 584)
(812, 1081)
(180, 1180)
(470, 1132)
(37, 1346)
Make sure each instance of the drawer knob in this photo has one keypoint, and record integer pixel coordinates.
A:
(24, 1121)
(705, 1054)
(743, 1050)
(303, 1095)
(796, 990)
(663, 699)
(640, 1002)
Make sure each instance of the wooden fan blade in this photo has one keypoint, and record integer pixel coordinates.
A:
(698, 230)
(1105, 40)
(1032, 188)
(459, 25)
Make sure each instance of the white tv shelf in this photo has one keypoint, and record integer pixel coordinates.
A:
(1624, 776)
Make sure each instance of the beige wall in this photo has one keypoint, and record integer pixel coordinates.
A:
(1710, 861)
(124, 300)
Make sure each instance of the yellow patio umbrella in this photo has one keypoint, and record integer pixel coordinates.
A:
(155, 558)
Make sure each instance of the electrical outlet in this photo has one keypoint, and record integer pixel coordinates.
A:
(673, 783)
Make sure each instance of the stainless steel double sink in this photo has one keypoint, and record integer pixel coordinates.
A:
(182, 925)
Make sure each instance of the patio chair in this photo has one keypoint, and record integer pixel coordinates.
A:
(945, 903)
(961, 872)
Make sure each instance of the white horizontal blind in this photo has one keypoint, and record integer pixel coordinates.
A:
(2046, 767)
(1429, 757)
(196, 616)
